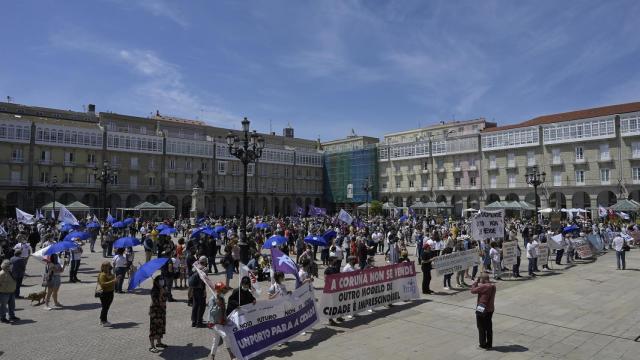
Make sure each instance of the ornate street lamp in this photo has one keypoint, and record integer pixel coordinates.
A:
(366, 187)
(535, 179)
(106, 175)
(247, 149)
(52, 185)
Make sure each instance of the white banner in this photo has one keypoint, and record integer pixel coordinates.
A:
(488, 224)
(450, 263)
(253, 329)
(583, 248)
(509, 253)
(357, 291)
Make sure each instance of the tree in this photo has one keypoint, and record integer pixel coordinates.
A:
(376, 208)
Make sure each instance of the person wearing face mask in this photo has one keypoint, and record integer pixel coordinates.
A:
(157, 314)
(241, 296)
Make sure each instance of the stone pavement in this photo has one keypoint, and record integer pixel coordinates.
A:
(587, 311)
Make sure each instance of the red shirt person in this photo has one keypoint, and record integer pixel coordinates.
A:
(484, 309)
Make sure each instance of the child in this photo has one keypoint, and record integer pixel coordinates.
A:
(217, 311)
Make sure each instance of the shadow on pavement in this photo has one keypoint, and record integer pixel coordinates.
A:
(185, 352)
(24, 322)
(81, 307)
(510, 348)
(124, 325)
(316, 336)
(631, 269)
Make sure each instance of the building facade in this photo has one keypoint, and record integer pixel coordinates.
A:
(349, 164)
(157, 159)
(591, 157)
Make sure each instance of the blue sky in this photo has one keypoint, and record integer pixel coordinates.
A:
(323, 66)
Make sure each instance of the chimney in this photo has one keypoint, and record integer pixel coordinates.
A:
(91, 109)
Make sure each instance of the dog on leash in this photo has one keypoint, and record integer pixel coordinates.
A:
(37, 296)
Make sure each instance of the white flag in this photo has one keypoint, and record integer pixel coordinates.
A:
(3, 232)
(67, 217)
(345, 217)
(24, 217)
(95, 218)
(245, 271)
(39, 215)
(53, 215)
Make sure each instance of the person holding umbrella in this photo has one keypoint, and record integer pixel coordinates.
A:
(157, 314)
(52, 281)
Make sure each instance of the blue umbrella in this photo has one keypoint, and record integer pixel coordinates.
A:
(262, 226)
(146, 271)
(570, 228)
(316, 240)
(168, 231)
(162, 227)
(60, 247)
(93, 225)
(330, 234)
(219, 229)
(275, 240)
(118, 225)
(196, 232)
(127, 241)
(77, 234)
(129, 221)
(403, 218)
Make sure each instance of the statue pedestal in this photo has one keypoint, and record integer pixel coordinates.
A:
(197, 204)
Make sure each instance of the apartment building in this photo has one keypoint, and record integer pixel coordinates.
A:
(157, 159)
(591, 157)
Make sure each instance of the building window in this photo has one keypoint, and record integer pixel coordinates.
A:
(472, 181)
(116, 180)
(172, 164)
(134, 162)
(251, 168)
(440, 163)
(531, 158)
(69, 157)
(410, 183)
(557, 179)
(187, 165)
(152, 164)
(456, 181)
(45, 155)
(512, 180)
(222, 168)
(152, 181)
(580, 177)
(203, 166)
(91, 179)
(511, 160)
(604, 152)
(384, 186)
(91, 159)
(492, 162)
(235, 168)
(68, 178)
(604, 176)
(635, 148)
(556, 156)
(635, 175)
(425, 165)
(17, 155)
(44, 177)
(133, 181)
(441, 182)
(579, 153)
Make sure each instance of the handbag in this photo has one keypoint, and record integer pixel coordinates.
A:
(98, 292)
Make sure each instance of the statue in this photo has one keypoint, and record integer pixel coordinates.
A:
(199, 182)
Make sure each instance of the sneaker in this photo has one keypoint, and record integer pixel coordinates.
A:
(46, 307)
(5, 321)
(106, 323)
(446, 288)
(14, 318)
(58, 305)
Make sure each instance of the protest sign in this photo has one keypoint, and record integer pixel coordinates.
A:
(583, 248)
(556, 242)
(509, 253)
(353, 292)
(543, 254)
(450, 263)
(488, 224)
(254, 329)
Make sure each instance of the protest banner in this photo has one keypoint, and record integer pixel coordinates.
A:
(488, 224)
(509, 253)
(450, 263)
(543, 254)
(583, 248)
(253, 329)
(357, 291)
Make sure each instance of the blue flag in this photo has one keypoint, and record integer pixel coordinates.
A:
(110, 219)
(281, 262)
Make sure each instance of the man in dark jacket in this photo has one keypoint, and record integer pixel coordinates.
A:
(211, 249)
(241, 296)
(199, 294)
(18, 268)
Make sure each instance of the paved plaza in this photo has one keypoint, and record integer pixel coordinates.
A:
(587, 311)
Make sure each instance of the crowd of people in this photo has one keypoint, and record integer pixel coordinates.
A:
(348, 247)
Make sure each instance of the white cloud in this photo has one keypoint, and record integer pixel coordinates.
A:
(159, 8)
(161, 84)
